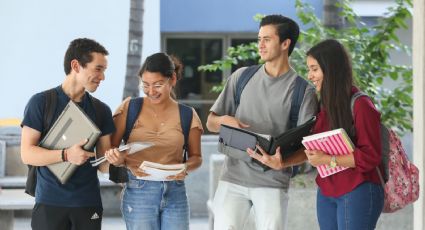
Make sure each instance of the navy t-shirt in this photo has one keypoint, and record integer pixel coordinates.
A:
(82, 189)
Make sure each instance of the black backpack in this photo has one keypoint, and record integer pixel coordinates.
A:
(296, 101)
(49, 109)
(119, 174)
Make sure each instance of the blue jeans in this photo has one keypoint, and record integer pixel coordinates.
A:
(358, 209)
(155, 205)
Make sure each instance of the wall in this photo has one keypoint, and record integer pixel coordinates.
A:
(35, 35)
(222, 15)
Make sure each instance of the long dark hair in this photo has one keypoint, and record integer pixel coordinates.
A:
(335, 93)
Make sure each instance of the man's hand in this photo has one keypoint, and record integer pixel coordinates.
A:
(214, 121)
(232, 121)
(273, 161)
(77, 155)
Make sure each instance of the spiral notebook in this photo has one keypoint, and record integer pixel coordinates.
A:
(334, 142)
(71, 127)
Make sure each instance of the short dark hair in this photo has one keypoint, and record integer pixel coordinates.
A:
(81, 49)
(286, 28)
(164, 64)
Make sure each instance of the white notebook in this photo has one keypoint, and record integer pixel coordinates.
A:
(160, 172)
(72, 126)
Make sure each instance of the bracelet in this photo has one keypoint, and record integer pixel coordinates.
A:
(63, 153)
(332, 163)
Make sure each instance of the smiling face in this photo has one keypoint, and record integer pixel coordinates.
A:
(315, 74)
(157, 87)
(93, 73)
(269, 46)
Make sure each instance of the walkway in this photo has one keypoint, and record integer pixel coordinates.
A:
(114, 223)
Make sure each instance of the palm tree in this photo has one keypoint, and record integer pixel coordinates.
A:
(134, 50)
(331, 16)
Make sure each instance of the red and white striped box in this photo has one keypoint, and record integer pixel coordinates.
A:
(335, 142)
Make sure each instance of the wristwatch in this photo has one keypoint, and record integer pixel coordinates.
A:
(332, 163)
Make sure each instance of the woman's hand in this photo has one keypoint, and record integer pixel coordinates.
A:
(115, 157)
(317, 157)
(273, 161)
(139, 173)
(180, 176)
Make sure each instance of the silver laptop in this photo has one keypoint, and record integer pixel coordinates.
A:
(72, 126)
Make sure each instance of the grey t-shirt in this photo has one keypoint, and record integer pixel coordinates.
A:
(264, 105)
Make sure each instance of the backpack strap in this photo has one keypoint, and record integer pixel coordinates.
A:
(186, 114)
(99, 110)
(49, 110)
(243, 80)
(354, 98)
(297, 99)
(134, 108)
(385, 145)
(119, 174)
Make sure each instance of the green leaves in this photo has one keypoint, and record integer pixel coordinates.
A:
(234, 56)
(370, 48)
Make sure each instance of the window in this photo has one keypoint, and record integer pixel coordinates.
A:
(194, 89)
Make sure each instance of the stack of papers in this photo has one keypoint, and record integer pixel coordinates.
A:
(132, 147)
(334, 142)
(135, 147)
(160, 172)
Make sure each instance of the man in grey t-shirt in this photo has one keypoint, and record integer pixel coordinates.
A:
(264, 108)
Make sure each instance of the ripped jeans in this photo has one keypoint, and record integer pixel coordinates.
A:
(155, 205)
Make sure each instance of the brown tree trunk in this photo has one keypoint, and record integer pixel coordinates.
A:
(134, 49)
(331, 17)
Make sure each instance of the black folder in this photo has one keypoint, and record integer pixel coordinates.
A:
(240, 139)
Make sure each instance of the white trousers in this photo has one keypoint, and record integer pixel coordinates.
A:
(232, 205)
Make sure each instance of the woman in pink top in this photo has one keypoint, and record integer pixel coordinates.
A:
(150, 203)
(353, 198)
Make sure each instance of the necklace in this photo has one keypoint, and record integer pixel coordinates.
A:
(161, 113)
(159, 119)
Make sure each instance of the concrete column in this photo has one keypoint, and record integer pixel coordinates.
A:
(419, 107)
